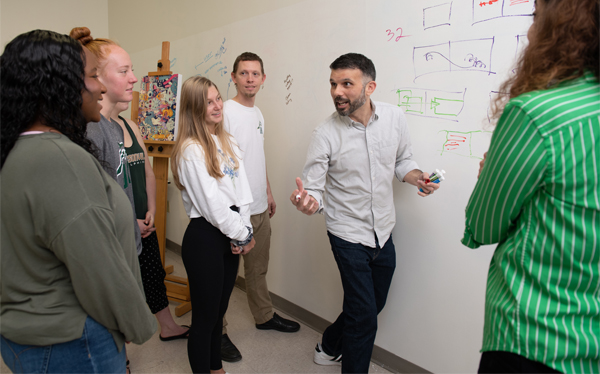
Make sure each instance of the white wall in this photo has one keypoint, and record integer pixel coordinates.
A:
(434, 314)
(19, 16)
(140, 24)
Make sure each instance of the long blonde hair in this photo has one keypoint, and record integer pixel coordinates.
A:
(192, 129)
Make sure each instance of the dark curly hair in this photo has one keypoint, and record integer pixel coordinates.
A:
(565, 43)
(42, 78)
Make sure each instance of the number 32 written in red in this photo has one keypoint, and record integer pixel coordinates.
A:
(391, 34)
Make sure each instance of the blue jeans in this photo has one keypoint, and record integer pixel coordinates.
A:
(366, 277)
(94, 352)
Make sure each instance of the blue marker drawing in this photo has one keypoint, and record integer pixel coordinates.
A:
(206, 58)
(222, 49)
(228, 85)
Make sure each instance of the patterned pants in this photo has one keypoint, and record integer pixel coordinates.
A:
(153, 274)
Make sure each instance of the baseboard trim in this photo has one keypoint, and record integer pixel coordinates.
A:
(381, 357)
(172, 246)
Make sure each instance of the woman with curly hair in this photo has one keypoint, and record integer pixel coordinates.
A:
(119, 143)
(69, 262)
(538, 197)
(208, 170)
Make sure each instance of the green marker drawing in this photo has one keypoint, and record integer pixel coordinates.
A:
(431, 103)
(438, 101)
(410, 101)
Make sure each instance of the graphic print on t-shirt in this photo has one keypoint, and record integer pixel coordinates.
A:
(121, 168)
(135, 159)
(228, 167)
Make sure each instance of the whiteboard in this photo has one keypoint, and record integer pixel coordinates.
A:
(441, 61)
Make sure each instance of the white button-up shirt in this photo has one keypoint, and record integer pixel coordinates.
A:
(355, 166)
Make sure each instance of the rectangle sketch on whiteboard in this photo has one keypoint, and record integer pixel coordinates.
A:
(492, 9)
(522, 42)
(471, 144)
(464, 55)
(158, 113)
(438, 15)
(494, 95)
(431, 103)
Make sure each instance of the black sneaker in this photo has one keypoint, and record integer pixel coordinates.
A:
(280, 324)
(229, 352)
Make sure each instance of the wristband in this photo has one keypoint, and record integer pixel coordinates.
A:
(242, 243)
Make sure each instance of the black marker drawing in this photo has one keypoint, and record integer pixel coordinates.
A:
(465, 55)
(438, 15)
(493, 97)
(521, 44)
(288, 84)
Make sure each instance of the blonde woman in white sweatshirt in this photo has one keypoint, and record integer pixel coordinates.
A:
(209, 171)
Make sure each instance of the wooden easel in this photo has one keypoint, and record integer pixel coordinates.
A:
(177, 287)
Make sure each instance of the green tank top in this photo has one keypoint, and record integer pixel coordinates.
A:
(137, 168)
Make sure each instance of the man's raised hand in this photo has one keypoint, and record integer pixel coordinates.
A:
(302, 200)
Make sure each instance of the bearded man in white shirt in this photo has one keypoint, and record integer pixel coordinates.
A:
(245, 122)
(353, 156)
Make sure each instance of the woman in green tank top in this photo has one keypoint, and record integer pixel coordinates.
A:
(117, 75)
(144, 195)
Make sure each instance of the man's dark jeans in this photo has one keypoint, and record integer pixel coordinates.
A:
(366, 277)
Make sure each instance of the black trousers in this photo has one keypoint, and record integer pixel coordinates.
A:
(507, 362)
(211, 270)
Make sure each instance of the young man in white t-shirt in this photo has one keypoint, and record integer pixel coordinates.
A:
(245, 122)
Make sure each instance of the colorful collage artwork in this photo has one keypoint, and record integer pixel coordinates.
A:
(158, 114)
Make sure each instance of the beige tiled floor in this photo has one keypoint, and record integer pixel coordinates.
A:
(262, 351)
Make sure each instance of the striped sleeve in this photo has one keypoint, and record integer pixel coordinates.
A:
(514, 169)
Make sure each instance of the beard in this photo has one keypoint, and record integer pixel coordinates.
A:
(246, 94)
(354, 105)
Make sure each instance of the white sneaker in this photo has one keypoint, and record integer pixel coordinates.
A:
(322, 358)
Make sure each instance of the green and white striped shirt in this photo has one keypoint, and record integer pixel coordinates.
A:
(538, 197)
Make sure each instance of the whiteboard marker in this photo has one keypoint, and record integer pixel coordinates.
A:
(436, 177)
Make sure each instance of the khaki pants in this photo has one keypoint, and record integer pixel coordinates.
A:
(256, 264)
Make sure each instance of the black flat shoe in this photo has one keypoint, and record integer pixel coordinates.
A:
(180, 336)
(229, 352)
(280, 324)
